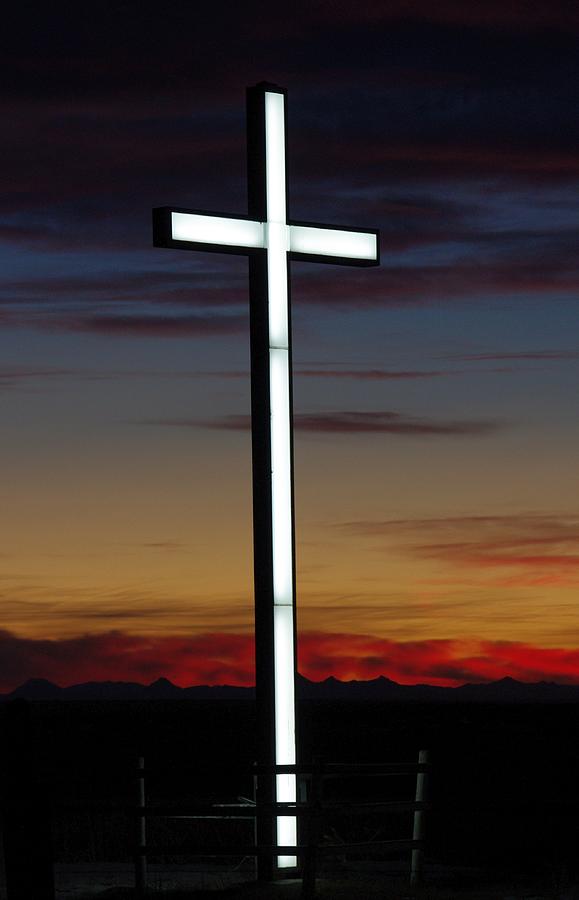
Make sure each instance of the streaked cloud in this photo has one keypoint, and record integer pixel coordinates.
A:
(377, 374)
(542, 547)
(556, 525)
(149, 325)
(514, 355)
(16, 376)
(346, 422)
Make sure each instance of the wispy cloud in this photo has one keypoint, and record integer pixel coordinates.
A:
(555, 525)
(164, 545)
(542, 547)
(152, 326)
(377, 374)
(534, 355)
(345, 422)
(195, 287)
(11, 377)
(460, 281)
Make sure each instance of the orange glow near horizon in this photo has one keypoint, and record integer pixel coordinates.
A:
(152, 584)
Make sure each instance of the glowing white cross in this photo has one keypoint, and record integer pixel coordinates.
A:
(280, 240)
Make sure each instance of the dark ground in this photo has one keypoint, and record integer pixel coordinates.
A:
(504, 787)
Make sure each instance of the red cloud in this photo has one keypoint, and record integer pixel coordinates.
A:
(118, 656)
(440, 662)
(219, 658)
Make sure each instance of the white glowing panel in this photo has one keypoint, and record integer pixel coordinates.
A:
(285, 737)
(276, 229)
(277, 247)
(333, 242)
(286, 832)
(217, 230)
(281, 515)
(275, 157)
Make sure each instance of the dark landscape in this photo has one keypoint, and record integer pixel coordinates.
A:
(504, 786)
(505, 690)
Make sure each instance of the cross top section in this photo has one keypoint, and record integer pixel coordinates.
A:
(270, 239)
(267, 227)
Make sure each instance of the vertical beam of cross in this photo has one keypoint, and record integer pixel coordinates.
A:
(272, 453)
(270, 240)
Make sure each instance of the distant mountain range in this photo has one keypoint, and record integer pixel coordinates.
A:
(506, 690)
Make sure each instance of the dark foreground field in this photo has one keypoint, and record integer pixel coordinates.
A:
(367, 888)
(504, 788)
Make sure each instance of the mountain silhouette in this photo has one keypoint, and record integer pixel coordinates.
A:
(36, 689)
(505, 690)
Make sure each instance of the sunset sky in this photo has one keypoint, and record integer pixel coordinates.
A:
(436, 412)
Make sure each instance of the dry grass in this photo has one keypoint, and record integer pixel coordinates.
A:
(355, 888)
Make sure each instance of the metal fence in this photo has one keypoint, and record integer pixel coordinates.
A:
(312, 810)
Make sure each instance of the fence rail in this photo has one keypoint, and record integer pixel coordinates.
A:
(281, 849)
(251, 811)
(311, 812)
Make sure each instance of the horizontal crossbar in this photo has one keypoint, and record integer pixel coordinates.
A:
(282, 850)
(244, 811)
(190, 229)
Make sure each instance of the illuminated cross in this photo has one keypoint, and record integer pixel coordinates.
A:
(269, 239)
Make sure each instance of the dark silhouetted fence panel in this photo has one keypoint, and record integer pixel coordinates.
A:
(311, 813)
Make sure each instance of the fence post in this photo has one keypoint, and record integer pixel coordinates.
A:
(141, 832)
(255, 827)
(418, 830)
(265, 822)
(314, 831)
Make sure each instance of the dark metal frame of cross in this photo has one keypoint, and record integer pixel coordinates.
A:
(270, 240)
